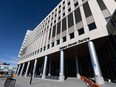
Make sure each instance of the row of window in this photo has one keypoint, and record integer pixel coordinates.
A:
(59, 17)
(77, 18)
(42, 29)
(81, 31)
(71, 23)
(86, 9)
(71, 20)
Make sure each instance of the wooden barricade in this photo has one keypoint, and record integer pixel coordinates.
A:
(14, 75)
(91, 83)
(1, 75)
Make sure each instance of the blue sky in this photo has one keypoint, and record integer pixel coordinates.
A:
(16, 17)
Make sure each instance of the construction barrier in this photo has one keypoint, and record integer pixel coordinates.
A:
(1, 75)
(89, 82)
(14, 75)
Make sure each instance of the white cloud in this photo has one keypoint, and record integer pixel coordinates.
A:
(12, 60)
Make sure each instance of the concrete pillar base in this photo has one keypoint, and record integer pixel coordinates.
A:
(109, 80)
(78, 76)
(43, 76)
(99, 80)
(61, 78)
(49, 74)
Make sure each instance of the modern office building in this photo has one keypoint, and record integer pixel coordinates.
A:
(78, 37)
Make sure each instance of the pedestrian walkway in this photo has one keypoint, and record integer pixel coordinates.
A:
(107, 84)
(70, 82)
(24, 82)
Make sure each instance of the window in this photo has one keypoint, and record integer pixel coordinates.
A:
(92, 26)
(23, 51)
(35, 52)
(60, 6)
(68, 3)
(38, 51)
(54, 30)
(52, 44)
(44, 47)
(81, 31)
(58, 28)
(77, 15)
(41, 50)
(48, 46)
(55, 15)
(87, 9)
(69, 9)
(64, 38)
(47, 27)
(70, 20)
(63, 14)
(63, 2)
(49, 33)
(101, 4)
(72, 35)
(76, 4)
(63, 8)
(64, 24)
(58, 18)
(59, 11)
(54, 21)
(58, 42)
(52, 13)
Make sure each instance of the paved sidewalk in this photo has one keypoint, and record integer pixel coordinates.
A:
(70, 82)
(107, 84)
(24, 82)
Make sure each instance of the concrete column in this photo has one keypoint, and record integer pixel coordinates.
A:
(18, 69)
(77, 68)
(61, 77)
(22, 69)
(44, 69)
(34, 67)
(97, 71)
(27, 69)
(49, 74)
